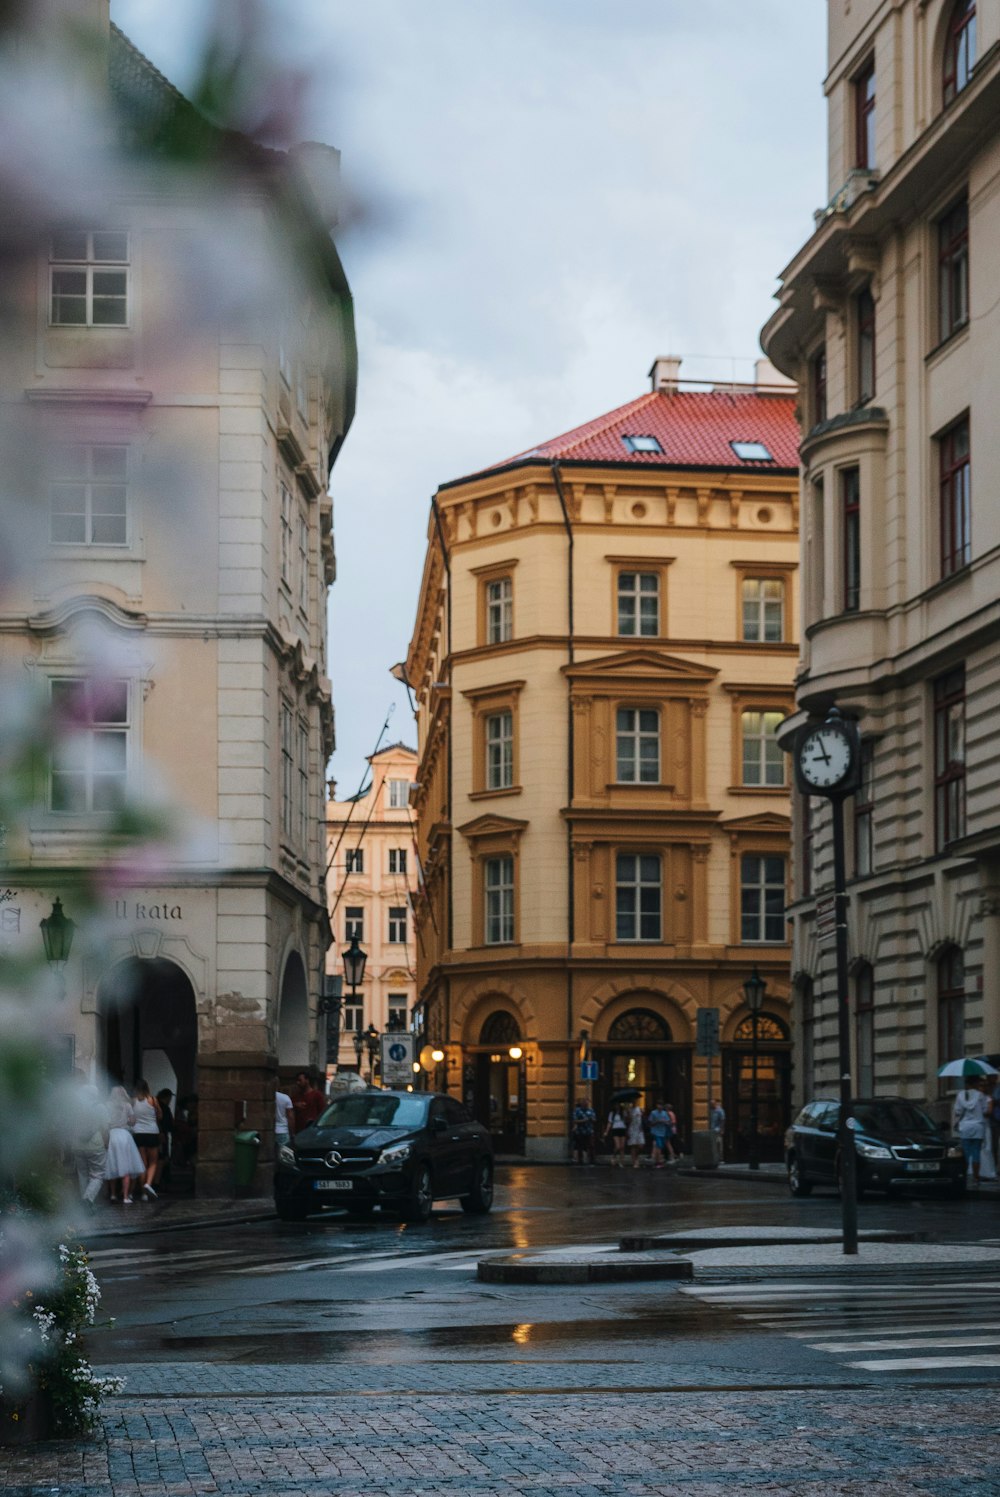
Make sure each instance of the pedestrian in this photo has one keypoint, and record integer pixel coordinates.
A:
(124, 1162)
(584, 1129)
(90, 1140)
(166, 1136)
(284, 1120)
(307, 1101)
(968, 1119)
(616, 1129)
(636, 1136)
(660, 1131)
(146, 1132)
(717, 1124)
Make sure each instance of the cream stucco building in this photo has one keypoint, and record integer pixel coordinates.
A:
(605, 642)
(889, 318)
(371, 881)
(179, 521)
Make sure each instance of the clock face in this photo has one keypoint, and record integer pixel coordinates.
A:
(825, 758)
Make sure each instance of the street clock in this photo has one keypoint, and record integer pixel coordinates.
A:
(828, 757)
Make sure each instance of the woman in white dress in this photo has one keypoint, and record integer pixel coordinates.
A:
(124, 1160)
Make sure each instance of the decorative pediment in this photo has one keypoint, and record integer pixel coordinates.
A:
(491, 825)
(75, 610)
(642, 663)
(767, 821)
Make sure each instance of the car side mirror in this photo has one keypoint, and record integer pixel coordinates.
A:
(439, 1125)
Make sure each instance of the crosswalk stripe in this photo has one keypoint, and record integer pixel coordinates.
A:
(922, 1364)
(911, 1343)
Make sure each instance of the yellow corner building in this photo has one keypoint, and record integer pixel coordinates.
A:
(605, 644)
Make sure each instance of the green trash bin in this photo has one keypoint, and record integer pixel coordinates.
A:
(245, 1146)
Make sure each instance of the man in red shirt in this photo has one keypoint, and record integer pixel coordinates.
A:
(307, 1101)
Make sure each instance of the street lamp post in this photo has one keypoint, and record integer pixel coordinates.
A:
(354, 960)
(753, 991)
(57, 937)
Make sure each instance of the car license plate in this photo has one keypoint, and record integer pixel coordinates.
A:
(923, 1168)
(333, 1185)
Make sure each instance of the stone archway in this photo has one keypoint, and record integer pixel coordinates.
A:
(293, 1015)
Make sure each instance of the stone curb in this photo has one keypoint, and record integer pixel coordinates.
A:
(692, 1242)
(517, 1270)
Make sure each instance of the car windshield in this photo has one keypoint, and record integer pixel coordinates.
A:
(374, 1110)
(893, 1117)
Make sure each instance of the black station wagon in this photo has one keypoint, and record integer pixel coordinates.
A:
(895, 1141)
(399, 1150)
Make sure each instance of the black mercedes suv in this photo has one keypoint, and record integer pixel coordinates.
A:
(399, 1150)
(895, 1142)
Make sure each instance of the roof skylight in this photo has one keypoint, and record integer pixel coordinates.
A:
(752, 452)
(642, 444)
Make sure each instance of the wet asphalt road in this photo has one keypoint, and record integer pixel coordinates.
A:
(342, 1305)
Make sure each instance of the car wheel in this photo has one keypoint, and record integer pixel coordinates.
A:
(797, 1184)
(291, 1211)
(480, 1198)
(418, 1207)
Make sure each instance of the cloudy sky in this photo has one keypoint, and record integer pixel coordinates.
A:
(557, 192)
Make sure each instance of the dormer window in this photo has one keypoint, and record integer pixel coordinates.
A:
(642, 444)
(752, 452)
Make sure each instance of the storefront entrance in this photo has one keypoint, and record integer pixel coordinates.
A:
(639, 1052)
(495, 1081)
(774, 1088)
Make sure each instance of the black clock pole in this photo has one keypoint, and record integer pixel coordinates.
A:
(848, 1157)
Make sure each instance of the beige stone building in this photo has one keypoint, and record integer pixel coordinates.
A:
(889, 318)
(180, 518)
(371, 881)
(605, 643)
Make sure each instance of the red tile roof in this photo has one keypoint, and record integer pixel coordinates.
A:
(693, 427)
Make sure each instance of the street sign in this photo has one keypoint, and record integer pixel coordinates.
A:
(826, 920)
(589, 1070)
(707, 1039)
(397, 1058)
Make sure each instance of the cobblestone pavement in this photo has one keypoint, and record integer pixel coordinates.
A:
(860, 1443)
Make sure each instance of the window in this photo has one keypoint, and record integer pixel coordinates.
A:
(397, 925)
(959, 49)
(499, 610)
(638, 897)
(287, 769)
(353, 1021)
(397, 860)
(864, 116)
(88, 495)
(286, 535)
(85, 290)
(639, 603)
(807, 833)
(89, 768)
(850, 514)
(955, 464)
(354, 860)
(949, 757)
(864, 316)
(953, 270)
(303, 770)
(637, 746)
(399, 794)
(762, 898)
(864, 1030)
(499, 727)
(817, 385)
(642, 444)
(398, 1007)
(864, 807)
(752, 452)
(951, 1008)
(498, 889)
(763, 610)
(354, 922)
(763, 761)
(303, 561)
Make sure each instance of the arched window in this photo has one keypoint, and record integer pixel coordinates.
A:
(959, 49)
(639, 1024)
(501, 1028)
(770, 1029)
(864, 1029)
(951, 1007)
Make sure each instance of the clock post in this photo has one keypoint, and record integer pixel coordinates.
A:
(827, 763)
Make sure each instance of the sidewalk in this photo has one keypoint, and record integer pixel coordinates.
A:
(166, 1214)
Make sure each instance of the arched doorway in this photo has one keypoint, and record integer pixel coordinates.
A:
(293, 1016)
(774, 1087)
(148, 1026)
(498, 1093)
(640, 1052)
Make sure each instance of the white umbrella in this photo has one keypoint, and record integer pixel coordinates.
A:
(968, 1067)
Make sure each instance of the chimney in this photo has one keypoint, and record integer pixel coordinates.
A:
(665, 373)
(766, 377)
